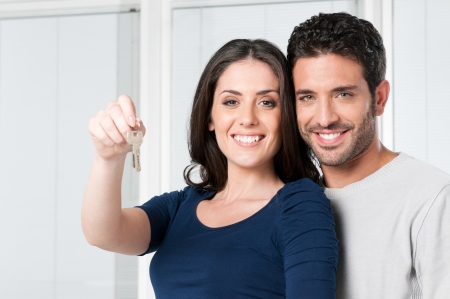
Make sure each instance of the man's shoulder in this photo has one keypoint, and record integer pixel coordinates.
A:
(404, 174)
(413, 170)
(419, 181)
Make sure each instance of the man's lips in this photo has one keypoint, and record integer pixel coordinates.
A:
(330, 137)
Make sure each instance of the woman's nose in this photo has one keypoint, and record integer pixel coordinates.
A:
(247, 116)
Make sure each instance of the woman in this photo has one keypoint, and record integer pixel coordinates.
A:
(252, 227)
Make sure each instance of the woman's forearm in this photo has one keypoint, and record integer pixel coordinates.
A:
(101, 215)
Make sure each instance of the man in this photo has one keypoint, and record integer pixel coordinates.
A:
(392, 211)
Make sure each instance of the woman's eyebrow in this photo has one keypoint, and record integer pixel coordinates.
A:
(266, 91)
(262, 92)
(232, 92)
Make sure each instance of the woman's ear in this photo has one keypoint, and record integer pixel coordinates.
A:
(210, 125)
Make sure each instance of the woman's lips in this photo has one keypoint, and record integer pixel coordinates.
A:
(248, 140)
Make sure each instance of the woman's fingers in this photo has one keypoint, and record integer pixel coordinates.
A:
(142, 128)
(98, 133)
(117, 115)
(110, 126)
(129, 113)
(128, 109)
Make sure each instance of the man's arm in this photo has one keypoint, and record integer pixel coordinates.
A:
(432, 258)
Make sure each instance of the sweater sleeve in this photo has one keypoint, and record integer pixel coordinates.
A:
(160, 211)
(432, 258)
(308, 242)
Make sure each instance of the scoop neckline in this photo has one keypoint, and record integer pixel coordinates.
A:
(209, 196)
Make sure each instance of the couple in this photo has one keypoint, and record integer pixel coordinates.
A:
(258, 225)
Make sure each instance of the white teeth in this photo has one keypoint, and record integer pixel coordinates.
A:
(329, 136)
(247, 139)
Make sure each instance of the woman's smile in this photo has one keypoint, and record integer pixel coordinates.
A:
(247, 139)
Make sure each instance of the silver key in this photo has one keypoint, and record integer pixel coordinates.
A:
(134, 138)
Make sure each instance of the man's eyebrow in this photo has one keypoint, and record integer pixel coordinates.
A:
(303, 91)
(336, 89)
(344, 88)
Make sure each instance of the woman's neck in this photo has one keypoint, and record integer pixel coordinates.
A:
(252, 183)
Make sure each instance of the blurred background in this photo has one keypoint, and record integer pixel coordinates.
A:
(61, 61)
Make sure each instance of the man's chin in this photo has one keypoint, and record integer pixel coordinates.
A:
(331, 163)
(331, 160)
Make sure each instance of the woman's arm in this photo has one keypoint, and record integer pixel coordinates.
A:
(309, 244)
(105, 224)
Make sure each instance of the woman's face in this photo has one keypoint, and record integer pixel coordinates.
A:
(245, 114)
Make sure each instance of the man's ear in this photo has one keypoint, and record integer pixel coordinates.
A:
(381, 96)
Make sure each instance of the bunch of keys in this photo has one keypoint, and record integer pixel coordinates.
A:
(134, 138)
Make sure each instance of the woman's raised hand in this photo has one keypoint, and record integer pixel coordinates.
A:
(109, 128)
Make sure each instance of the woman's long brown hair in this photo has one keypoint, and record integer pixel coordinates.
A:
(294, 159)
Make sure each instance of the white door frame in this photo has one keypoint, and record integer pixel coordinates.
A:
(155, 111)
(380, 13)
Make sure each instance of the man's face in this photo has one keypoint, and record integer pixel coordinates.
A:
(335, 110)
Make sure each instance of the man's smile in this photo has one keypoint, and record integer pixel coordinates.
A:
(330, 138)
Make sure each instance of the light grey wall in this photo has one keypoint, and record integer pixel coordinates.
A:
(55, 73)
(421, 80)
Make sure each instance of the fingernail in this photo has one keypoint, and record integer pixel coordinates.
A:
(131, 120)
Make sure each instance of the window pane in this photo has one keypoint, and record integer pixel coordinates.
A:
(56, 73)
(421, 72)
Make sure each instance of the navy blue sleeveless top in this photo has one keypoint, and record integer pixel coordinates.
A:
(288, 249)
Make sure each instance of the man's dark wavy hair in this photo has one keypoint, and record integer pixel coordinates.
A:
(341, 34)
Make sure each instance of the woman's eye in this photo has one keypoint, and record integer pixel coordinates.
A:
(230, 102)
(268, 103)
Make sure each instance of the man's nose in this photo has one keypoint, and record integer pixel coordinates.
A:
(326, 113)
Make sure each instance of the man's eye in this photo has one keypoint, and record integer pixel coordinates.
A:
(306, 98)
(344, 95)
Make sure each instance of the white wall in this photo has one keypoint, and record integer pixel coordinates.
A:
(55, 73)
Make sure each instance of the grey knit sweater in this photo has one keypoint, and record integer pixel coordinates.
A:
(394, 233)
